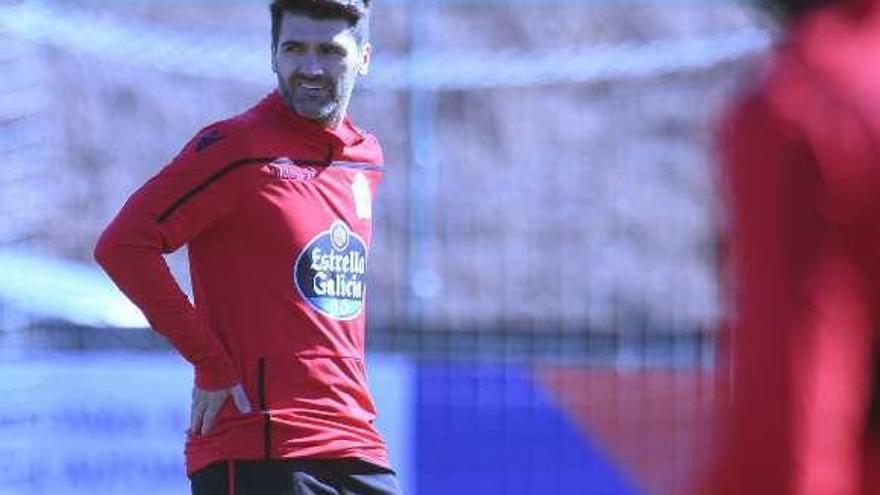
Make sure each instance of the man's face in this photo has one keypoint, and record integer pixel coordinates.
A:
(317, 62)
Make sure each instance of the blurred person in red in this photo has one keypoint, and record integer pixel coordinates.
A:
(800, 153)
(275, 207)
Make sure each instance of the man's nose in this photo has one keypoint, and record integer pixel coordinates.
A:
(311, 66)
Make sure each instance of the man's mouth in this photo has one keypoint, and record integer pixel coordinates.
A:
(312, 88)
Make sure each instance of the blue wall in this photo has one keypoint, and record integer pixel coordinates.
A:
(484, 428)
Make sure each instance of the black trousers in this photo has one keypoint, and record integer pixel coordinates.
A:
(294, 477)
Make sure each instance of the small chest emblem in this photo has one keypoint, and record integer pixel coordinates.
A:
(286, 169)
(363, 197)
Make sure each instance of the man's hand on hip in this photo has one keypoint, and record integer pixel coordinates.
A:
(206, 404)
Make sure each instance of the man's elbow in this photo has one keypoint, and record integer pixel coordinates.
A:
(105, 251)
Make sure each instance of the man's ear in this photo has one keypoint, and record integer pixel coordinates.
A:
(274, 53)
(366, 56)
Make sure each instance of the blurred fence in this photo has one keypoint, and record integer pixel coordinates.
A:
(549, 203)
(561, 190)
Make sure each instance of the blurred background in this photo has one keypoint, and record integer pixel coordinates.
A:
(545, 293)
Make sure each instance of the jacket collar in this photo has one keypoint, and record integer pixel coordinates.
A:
(346, 134)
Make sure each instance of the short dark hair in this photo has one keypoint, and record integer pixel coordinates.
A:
(355, 12)
(786, 11)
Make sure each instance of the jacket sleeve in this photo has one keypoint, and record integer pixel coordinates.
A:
(185, 198)
(801, 341)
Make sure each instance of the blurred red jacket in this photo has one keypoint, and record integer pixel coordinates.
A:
(801, 175)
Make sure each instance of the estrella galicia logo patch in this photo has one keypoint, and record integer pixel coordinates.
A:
(330, 272)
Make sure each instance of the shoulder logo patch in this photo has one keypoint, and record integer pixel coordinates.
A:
(208, 138)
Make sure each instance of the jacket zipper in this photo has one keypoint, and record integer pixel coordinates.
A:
(329, 154)
(261, 391)
(872, 426)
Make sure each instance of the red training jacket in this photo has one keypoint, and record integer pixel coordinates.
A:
(801, 156)
(276, 213)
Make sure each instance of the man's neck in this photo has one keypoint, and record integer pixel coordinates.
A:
(330, 124)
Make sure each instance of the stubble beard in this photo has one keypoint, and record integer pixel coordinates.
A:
(327, 111)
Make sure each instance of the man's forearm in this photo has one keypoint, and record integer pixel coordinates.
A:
(140, 271)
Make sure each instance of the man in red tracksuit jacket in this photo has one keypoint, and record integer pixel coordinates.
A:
(801, 169)
(275, 207)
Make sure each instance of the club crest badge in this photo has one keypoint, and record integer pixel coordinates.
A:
(363, 197)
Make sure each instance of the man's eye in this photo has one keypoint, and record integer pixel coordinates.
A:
(293, 48)
(333, 50)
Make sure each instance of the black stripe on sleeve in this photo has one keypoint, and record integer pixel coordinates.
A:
(257, 161)
(207, 182)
